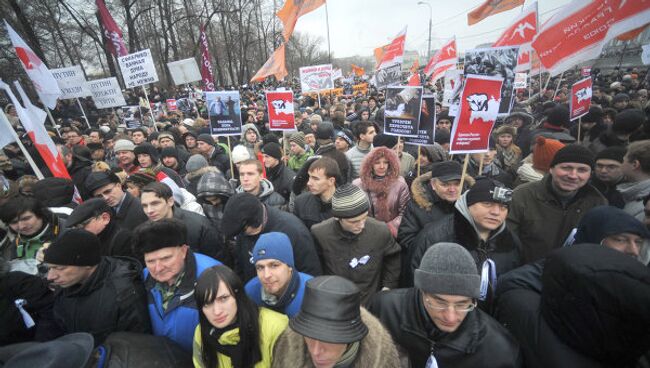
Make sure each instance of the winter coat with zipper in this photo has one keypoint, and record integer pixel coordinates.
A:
(479, 341)
(112, 299)
(201, 236)
(267, 194)
(181, 317)
(503, 247)
(539, 219)
(311, 210)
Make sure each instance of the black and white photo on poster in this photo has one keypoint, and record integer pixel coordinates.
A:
(426, 132)
(224, 111)
(132, 116)
(497, 61)
(389, 76)
(402, 111)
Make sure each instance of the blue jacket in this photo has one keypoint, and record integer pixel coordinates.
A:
(180, 319)
(254, 291)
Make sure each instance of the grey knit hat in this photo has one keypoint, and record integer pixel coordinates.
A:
(123, 145)
(196, 162)
(449, 269)
(349, 201)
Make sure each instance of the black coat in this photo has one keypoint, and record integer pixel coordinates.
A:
(112, 299)
(79, 171)
(116, 241)
(329, 150)
(304, 251)
(131, 214)
(480, 341)
(311, 210)
(202, 237)
(282, 179)
(219, 159)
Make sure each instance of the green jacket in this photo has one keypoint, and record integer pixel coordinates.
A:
(272, 324)
(296, 162)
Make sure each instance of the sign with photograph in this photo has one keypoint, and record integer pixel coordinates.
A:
(224, 112)
(497, 62)
(389, 76)
(426, 132)
(316, 78)
(402, 111)
(580, 98)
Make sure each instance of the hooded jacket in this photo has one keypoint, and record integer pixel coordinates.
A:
(250, 147)
(213, 183)
(633, 194)
(193, 177)
(282, 179)
(219, 158)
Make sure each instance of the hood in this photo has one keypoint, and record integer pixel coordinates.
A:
(461, 206)
(366, 174)
(245, 128)
(266, 189)
(196, 175)
(595, 300)
(214, 184)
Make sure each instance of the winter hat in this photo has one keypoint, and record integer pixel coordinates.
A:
(188, 134)
(615, 153)
(558, 116)
(205, 137)
(141, 178)
(384, 140)
(628, 121)
(544, 151)
(298, 138)
(147, 148)
(449, 269)
(349, 201)
(346, 135)
(447, 171)
(317, 119)
(123, 145)
(54, 192)
(620, 97)
(239, 154)
(595, 115)
(166, 135)
(169, 152)
(242, 209)
(325, 131)
(574, 153)
(506, 129)
(488, 190)
(443, 136)
(75, 247)
(195, 162)
(270, 137)
(188, 122)
(98, 179)
(155, 235)
(272, 149)
(92, 146)
(88, 209)
(273, 245)
(603, 221)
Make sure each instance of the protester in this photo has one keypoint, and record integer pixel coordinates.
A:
(508, 154)
(250, 176)
(365, 134)
(326, 148)
(636, 169)
(276, 171)
(196, 167)
(170, 159)
(608, 173)
(125, 156)
(213, 192)
(213, 152)
(536, 165)
(316, 205)
(298, 152)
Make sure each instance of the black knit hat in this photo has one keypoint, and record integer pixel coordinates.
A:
(628, 121)
(96, 180)
(272, 149)
(384, 140)
(488, 190)
(54, 192)
(90, 208)
(443, 136)
(169, 152)
(573, 153)
(207, 138)
(154, 235)
(146, 148)
(75, 247)
(615, 153)
(558, 116)
(242, 209)
(349, 201)
(325, 130)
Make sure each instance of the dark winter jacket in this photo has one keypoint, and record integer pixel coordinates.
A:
(329, 150)
(213, 183)
(129, 349)
(311, 209)
(112, 299)
(282, 179)
(116, 241)
(219, 158)
(202, 237)
(480, 341)
(130, 214)
(609, 191)
(79, 171)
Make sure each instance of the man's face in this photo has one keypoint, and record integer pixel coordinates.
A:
(97, 224)
(109, 143)
(66, 276)
(310, 139)
(98, 155)
(250, 178)
(295, 149)
(251, 136)
(627, 243)
(170, 161)
(319, 183)
(270, 162)
(447, 190)
(341, 144)
(26, 224)
(324, 354)
(111, 193)
(73, 138)
(608, 171)
(274, 275)
(166, 264)
(259, 115)
(190, 142)
(369, 136)
(570, 176)
(203, 147)
(94, 137)
(138, 137)
(354, 225)
(166, 142)
(145, 160)
(446, 311)
(444, 124)
(628, 168)
(488, 216)
(156, 208)
(620, 105)
(125, 157)
(365, 115)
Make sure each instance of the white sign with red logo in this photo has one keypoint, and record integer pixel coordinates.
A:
(280, 108)
(585, 71)
(316, 78)
(580, 98)
(521, 80)
(479, 107)
(171, 104)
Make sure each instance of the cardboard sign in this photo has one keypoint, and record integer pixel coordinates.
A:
(521, 80)
(316, 78)
(184, 71)
(426, 132)
(138, 69)
(280, 108)
(580, 98)
(171, 104)
(479, 107)
(453, 84)
(225, 112)
(71, 81)
(106, 93)
(402, 111)
(389, 76)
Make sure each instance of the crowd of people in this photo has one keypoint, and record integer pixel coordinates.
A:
(335, 245)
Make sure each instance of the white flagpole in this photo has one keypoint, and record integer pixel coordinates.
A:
(49, 114)
(83, 112)
(153, 119)
(29, 158)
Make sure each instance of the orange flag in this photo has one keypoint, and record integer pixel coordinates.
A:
(275, 66)
(379, 54)
(415, 66)
(294, 9)
(491, 7)
(627, 36)
(414, 80)
(358, 71)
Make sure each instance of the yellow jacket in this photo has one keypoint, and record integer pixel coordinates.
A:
(272, 324)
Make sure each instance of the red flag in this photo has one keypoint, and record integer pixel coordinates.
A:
(628, 36)
(275, 66)
(443, 59)
(522, 30)
(491, 7)
(393, 53)
(207, 76)
(580, 98)
(415, 66)
(294, 9)
(414, 80)
(379, 52)
(112, 33)
(358, 71)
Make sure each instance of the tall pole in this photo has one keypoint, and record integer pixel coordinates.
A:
(430, 26)
(327, 23)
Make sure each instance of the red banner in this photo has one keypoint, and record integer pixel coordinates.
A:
(171, 104)
(445, 58)
(580, 98)
(393, 53)
(522, 30)
(207, 76)
(112, 33)
(275, 66)
(491, 7)
(479, 107)
(280, 108)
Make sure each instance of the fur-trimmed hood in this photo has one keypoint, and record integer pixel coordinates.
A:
(422, 193)
(196, 175)
(366, 175)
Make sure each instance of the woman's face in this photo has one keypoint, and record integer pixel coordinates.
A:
(505, 140)
(251, 136)
(380, 167)
(223, 310)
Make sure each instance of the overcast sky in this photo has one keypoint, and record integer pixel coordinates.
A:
(359, 26)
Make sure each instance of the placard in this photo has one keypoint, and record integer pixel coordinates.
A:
(389, 76)
(184, 71)
(316, 78)
(426, 132)
(71, 81)
(521, 80)
(453, 84)
(171, 104)
(225, 112)
(106, 93)
(580, 98)
(402, 111)
(138, 69)
(279, 104)
(132, 116)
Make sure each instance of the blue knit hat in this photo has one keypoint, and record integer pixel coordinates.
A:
(273, 245)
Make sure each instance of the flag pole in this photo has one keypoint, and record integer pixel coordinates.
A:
(327, 24)
(49, 114)
(83, 112)
(557, 88)
(29, 158)
(462, 177)
(579, 125)
(153, 119)
(419, 156)
(232, 170)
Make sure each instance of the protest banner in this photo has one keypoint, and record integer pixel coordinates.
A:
(106, 93)
(280, 108)
(498, 62)
(444, 59)
(521, 80)
(316, 78)
(453, 83)
(184, 71)
(132, 116)
(207, 74)
(585, 71)
(389, 76)
(171, 104)
(393, 53)
(225, 112)
(337, 74)
(479, 107)
(71, 81)
(580, 98)
(346, 90)
(138, 69)
(402, 112)
(426, 132)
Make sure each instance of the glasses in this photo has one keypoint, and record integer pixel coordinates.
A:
(440, 305)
